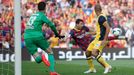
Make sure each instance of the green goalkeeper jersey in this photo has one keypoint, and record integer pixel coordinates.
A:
(34, 25)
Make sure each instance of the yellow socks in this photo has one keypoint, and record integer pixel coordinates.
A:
(102, 61)
(90, 63)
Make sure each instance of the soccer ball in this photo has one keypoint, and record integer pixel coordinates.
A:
(117, 31)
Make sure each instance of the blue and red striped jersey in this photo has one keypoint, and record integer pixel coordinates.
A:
(81, 37)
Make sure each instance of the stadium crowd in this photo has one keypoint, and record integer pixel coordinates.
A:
(63, 13)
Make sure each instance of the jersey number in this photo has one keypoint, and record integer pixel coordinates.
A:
(30, 22)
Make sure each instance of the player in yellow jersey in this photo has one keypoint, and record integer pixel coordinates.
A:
(54, 41)
(96, 46)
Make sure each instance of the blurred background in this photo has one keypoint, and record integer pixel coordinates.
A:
(120, 14)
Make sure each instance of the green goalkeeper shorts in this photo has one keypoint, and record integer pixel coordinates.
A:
(33, 43)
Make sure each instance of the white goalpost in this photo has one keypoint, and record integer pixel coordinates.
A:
(17, 28)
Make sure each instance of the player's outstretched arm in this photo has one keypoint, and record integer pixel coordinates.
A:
(92, 31)
(50, 24)
(60, 36)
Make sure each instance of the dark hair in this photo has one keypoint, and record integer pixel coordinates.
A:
(41, 6)
(78, 21)
(98, 7)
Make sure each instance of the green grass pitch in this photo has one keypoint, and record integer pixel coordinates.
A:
(77, 67)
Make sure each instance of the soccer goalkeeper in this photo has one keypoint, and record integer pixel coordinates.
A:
(34, 38)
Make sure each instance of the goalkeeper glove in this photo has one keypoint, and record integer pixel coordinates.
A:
(59, 36)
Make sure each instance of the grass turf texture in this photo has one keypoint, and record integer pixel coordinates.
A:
(76, 67)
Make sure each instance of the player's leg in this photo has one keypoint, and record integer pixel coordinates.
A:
(52, 62)
(90, 63)
(90, 59)
(102, 61)
(44, 45)
(32, 49)
(99, 58)
(97, 54)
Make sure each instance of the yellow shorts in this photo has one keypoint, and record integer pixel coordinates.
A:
(96, 44)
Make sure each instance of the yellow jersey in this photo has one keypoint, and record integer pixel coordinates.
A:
(54, 41)
(100, 28)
